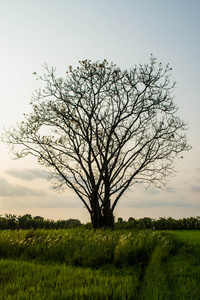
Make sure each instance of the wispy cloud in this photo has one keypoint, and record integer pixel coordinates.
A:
(36, 199)
(148, 201)
(10, 190)
(28, 174)
(197, 170)
(195, 188)
(178, 194)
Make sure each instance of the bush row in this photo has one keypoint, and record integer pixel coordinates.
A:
(28, 222)
(159, 224)
(10, 221)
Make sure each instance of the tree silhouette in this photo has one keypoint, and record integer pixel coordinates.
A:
(102, 130)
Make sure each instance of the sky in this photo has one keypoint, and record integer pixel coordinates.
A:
(63, 32)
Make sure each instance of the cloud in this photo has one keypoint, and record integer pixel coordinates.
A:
(178, 195)
(148, 202)
(53, 201)
(197, 170)
(16, 195)
(28, 174)
(195, 188)
(40, 201)
(10, 190)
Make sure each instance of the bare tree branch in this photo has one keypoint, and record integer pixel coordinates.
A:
(103, 129)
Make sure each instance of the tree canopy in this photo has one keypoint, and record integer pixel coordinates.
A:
(101, 130)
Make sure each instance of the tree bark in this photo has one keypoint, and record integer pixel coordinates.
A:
(102, 217)
(108, 214)
(96, 216)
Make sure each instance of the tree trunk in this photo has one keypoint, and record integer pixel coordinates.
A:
(108, 215)
(102, 217)
(107, 211)
(96, 216)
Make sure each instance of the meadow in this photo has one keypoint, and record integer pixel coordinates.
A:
(81, 263)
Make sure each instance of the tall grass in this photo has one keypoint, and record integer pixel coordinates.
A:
(173, 272)
(83, 263)
(80, 247)
(26, 280)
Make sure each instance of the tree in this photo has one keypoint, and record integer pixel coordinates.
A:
(102, 130)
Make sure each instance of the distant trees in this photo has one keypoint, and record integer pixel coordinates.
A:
(102, 130)
(159, 224)
(10, 221)
(13, 222)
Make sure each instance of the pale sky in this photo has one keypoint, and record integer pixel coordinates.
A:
(62, 32)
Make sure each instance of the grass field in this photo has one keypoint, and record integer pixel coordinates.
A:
(82, 263)
(191, 237)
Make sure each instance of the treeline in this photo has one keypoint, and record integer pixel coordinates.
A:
(159, 224)
(12, 222)
(28, 222)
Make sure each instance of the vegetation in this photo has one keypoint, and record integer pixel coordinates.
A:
(102, 130)
(10, 221)
(159, 224)
(81, 263)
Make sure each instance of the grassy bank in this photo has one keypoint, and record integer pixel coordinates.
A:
(81, 263)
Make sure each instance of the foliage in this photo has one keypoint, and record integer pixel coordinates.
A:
(27, 280)
(10, 221)
(80, 246)
(102, 130)
(159, 224)
(174, 274)
(81, 263)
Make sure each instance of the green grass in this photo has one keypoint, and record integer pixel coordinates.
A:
(79, 247)
(99, 264)
(27, 280)
(189, 237)
(176, 274)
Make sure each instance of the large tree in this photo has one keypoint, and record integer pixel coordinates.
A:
(103, 129)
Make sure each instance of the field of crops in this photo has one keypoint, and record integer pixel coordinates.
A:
(82, 263)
